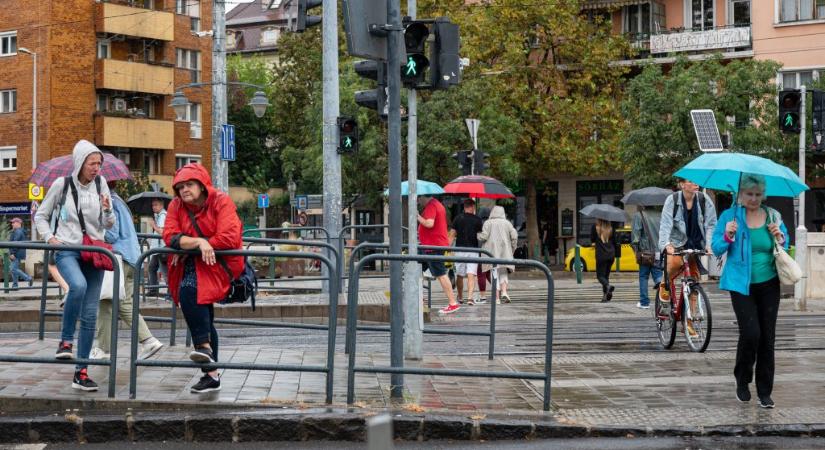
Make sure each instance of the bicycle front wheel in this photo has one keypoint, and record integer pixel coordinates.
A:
(665, 324)
(697, 318)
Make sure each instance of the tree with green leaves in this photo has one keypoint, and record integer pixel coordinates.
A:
(660, 137)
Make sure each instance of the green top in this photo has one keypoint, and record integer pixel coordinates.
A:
(763, 267)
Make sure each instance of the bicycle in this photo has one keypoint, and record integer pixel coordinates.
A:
(701, 317)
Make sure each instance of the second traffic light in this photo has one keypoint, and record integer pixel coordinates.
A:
(790, 101)
(374, 98)
(347, 135)
(480, 162)
(298, 18)
(465, 163)
(416, 63)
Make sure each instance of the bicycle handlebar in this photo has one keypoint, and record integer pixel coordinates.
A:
(690, 251)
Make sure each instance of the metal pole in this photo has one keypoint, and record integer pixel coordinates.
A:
(220, 170)
(34, 115)
(413, 320)
(800, 302)
(332, 160)
(394, 150)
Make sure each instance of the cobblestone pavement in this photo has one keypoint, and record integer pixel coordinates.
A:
(608, 368)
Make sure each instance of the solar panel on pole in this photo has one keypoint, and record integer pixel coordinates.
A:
(707, 133)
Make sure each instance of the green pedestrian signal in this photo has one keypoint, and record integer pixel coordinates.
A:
(347, 135)
(415, 42)
(790, 102)
(347, 142)
(411, 71)
(788, 120)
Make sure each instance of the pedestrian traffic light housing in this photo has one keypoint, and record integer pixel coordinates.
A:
(299, 20)
(347, 135)
(416, 63)
(445, 63)
(818, 121)
(790, 101)
(375, 99)
(480, 162)
(465, 164)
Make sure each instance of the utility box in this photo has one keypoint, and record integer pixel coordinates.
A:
(815, 266)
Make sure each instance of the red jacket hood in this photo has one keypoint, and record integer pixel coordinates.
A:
(193, 171)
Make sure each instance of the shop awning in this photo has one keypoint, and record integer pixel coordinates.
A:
(605, 4)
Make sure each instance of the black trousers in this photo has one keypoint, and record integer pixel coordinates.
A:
(603, 272)
(200, 319)
(756, 315)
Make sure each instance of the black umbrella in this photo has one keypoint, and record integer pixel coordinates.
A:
(605, 212)
(141, 204)
(649, 196)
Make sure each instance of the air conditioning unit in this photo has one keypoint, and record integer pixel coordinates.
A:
(119, 104)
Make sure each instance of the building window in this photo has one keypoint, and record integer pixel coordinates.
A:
(8, 101)
(8, 43)
(231, 41)
(195, 24)
(190, 59)
(701, 14)
(642, 20)
(151, 161)
(102, 104)
(793, 80)
(269, 36)
(104, 49)
(8, 158)
(188, 7)
(798, 10)
(182, 160)
(741, 13)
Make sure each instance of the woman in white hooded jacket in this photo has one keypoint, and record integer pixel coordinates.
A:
(84, 280)
(499, 237)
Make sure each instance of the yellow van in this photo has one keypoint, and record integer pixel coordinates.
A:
(627, 263)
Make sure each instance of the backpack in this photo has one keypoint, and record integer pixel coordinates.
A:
(66, 182)
(701, 203)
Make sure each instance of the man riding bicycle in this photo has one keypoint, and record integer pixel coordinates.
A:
(688, 220)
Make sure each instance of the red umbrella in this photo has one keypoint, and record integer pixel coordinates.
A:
(46, 172)
(478, 186)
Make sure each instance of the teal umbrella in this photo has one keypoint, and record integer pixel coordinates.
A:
(421, 188)
(722, 171)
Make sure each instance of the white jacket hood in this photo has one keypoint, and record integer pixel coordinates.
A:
(497, 213)
(81, 151)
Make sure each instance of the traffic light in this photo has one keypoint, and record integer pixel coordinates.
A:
(480, 162)
(445, 65)
(298, 18)
(465, 164)
(789, 103)
(416, 63)
(374, 98)
(347, 135)
(818, 127)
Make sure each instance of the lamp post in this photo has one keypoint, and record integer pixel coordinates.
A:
(34, 114)
(291, 187)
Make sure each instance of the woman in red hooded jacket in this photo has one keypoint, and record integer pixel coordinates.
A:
(197, 282)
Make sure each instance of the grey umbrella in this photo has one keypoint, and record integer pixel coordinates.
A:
(603, 211)
(649, 196)
(141, 204)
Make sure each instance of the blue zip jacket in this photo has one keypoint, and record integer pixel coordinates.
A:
(736, 276)
(122, 235)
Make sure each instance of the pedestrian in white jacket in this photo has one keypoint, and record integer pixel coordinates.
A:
(500, 238)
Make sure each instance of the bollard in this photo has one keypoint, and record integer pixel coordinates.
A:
(379, 432)
(272, 267)
(577, 263)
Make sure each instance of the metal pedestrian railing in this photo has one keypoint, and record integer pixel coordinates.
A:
(299, 243)
(327, 369)
(352, 368)
(352, 298)
(348, 228)
(112, 361)
(314, 231)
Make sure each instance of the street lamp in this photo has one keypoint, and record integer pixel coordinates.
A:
(179, 102)
(34, 104)
(291, 188)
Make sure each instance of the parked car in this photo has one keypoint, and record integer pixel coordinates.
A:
(627, 262)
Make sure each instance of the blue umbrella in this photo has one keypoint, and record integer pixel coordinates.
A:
(421, 188)
(722, 171)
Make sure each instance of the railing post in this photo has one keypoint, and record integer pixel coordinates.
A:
(6, 272)
(43, 292)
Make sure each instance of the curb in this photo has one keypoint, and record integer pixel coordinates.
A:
(334, 424)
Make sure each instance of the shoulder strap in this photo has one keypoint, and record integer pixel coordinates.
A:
(644, 225)
(675, 203)
(701, 196)
(200, 233)
(61, 202)
(77, 205)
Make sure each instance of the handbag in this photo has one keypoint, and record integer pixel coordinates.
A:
(788, 270)
(242, 288)
(108, 287)
(98, 260)
(645, 258)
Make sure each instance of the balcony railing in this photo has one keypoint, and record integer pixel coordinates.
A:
(134, 132)
(134, 77)
(137, 22)
(686, 40)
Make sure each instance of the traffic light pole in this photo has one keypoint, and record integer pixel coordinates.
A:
(394, 31)
(220, 168)
(800, 302)
(413, 320)
(330, 94)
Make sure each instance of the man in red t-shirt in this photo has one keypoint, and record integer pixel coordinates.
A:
(432, 230)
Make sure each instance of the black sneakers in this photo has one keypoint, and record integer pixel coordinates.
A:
(201, 355)
(743, 394)
(766, 402)
(83, 382)
(206, 384)
(64, 350)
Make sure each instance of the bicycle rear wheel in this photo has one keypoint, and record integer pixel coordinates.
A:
(701, 319)
(665, 324)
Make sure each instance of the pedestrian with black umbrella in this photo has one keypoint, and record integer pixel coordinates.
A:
(603, 237)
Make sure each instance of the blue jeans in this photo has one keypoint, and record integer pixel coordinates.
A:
(84, 296)
(644, 273)
(17, 273)
(200, 320)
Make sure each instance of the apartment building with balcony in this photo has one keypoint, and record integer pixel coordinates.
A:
(107, 71)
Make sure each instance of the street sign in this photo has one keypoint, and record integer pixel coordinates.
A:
(707, 133)
(472, 125)
(263, 201)
(228, 142)
(36, 192)
(301, 202)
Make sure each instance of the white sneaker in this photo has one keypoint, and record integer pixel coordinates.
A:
(98, 353)
(149, 348)
(641, 306)
(428, 275)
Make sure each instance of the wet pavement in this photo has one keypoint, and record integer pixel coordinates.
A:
(608, 368)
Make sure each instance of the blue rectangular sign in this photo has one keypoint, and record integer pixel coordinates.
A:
(228, 142)
(263, 201)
